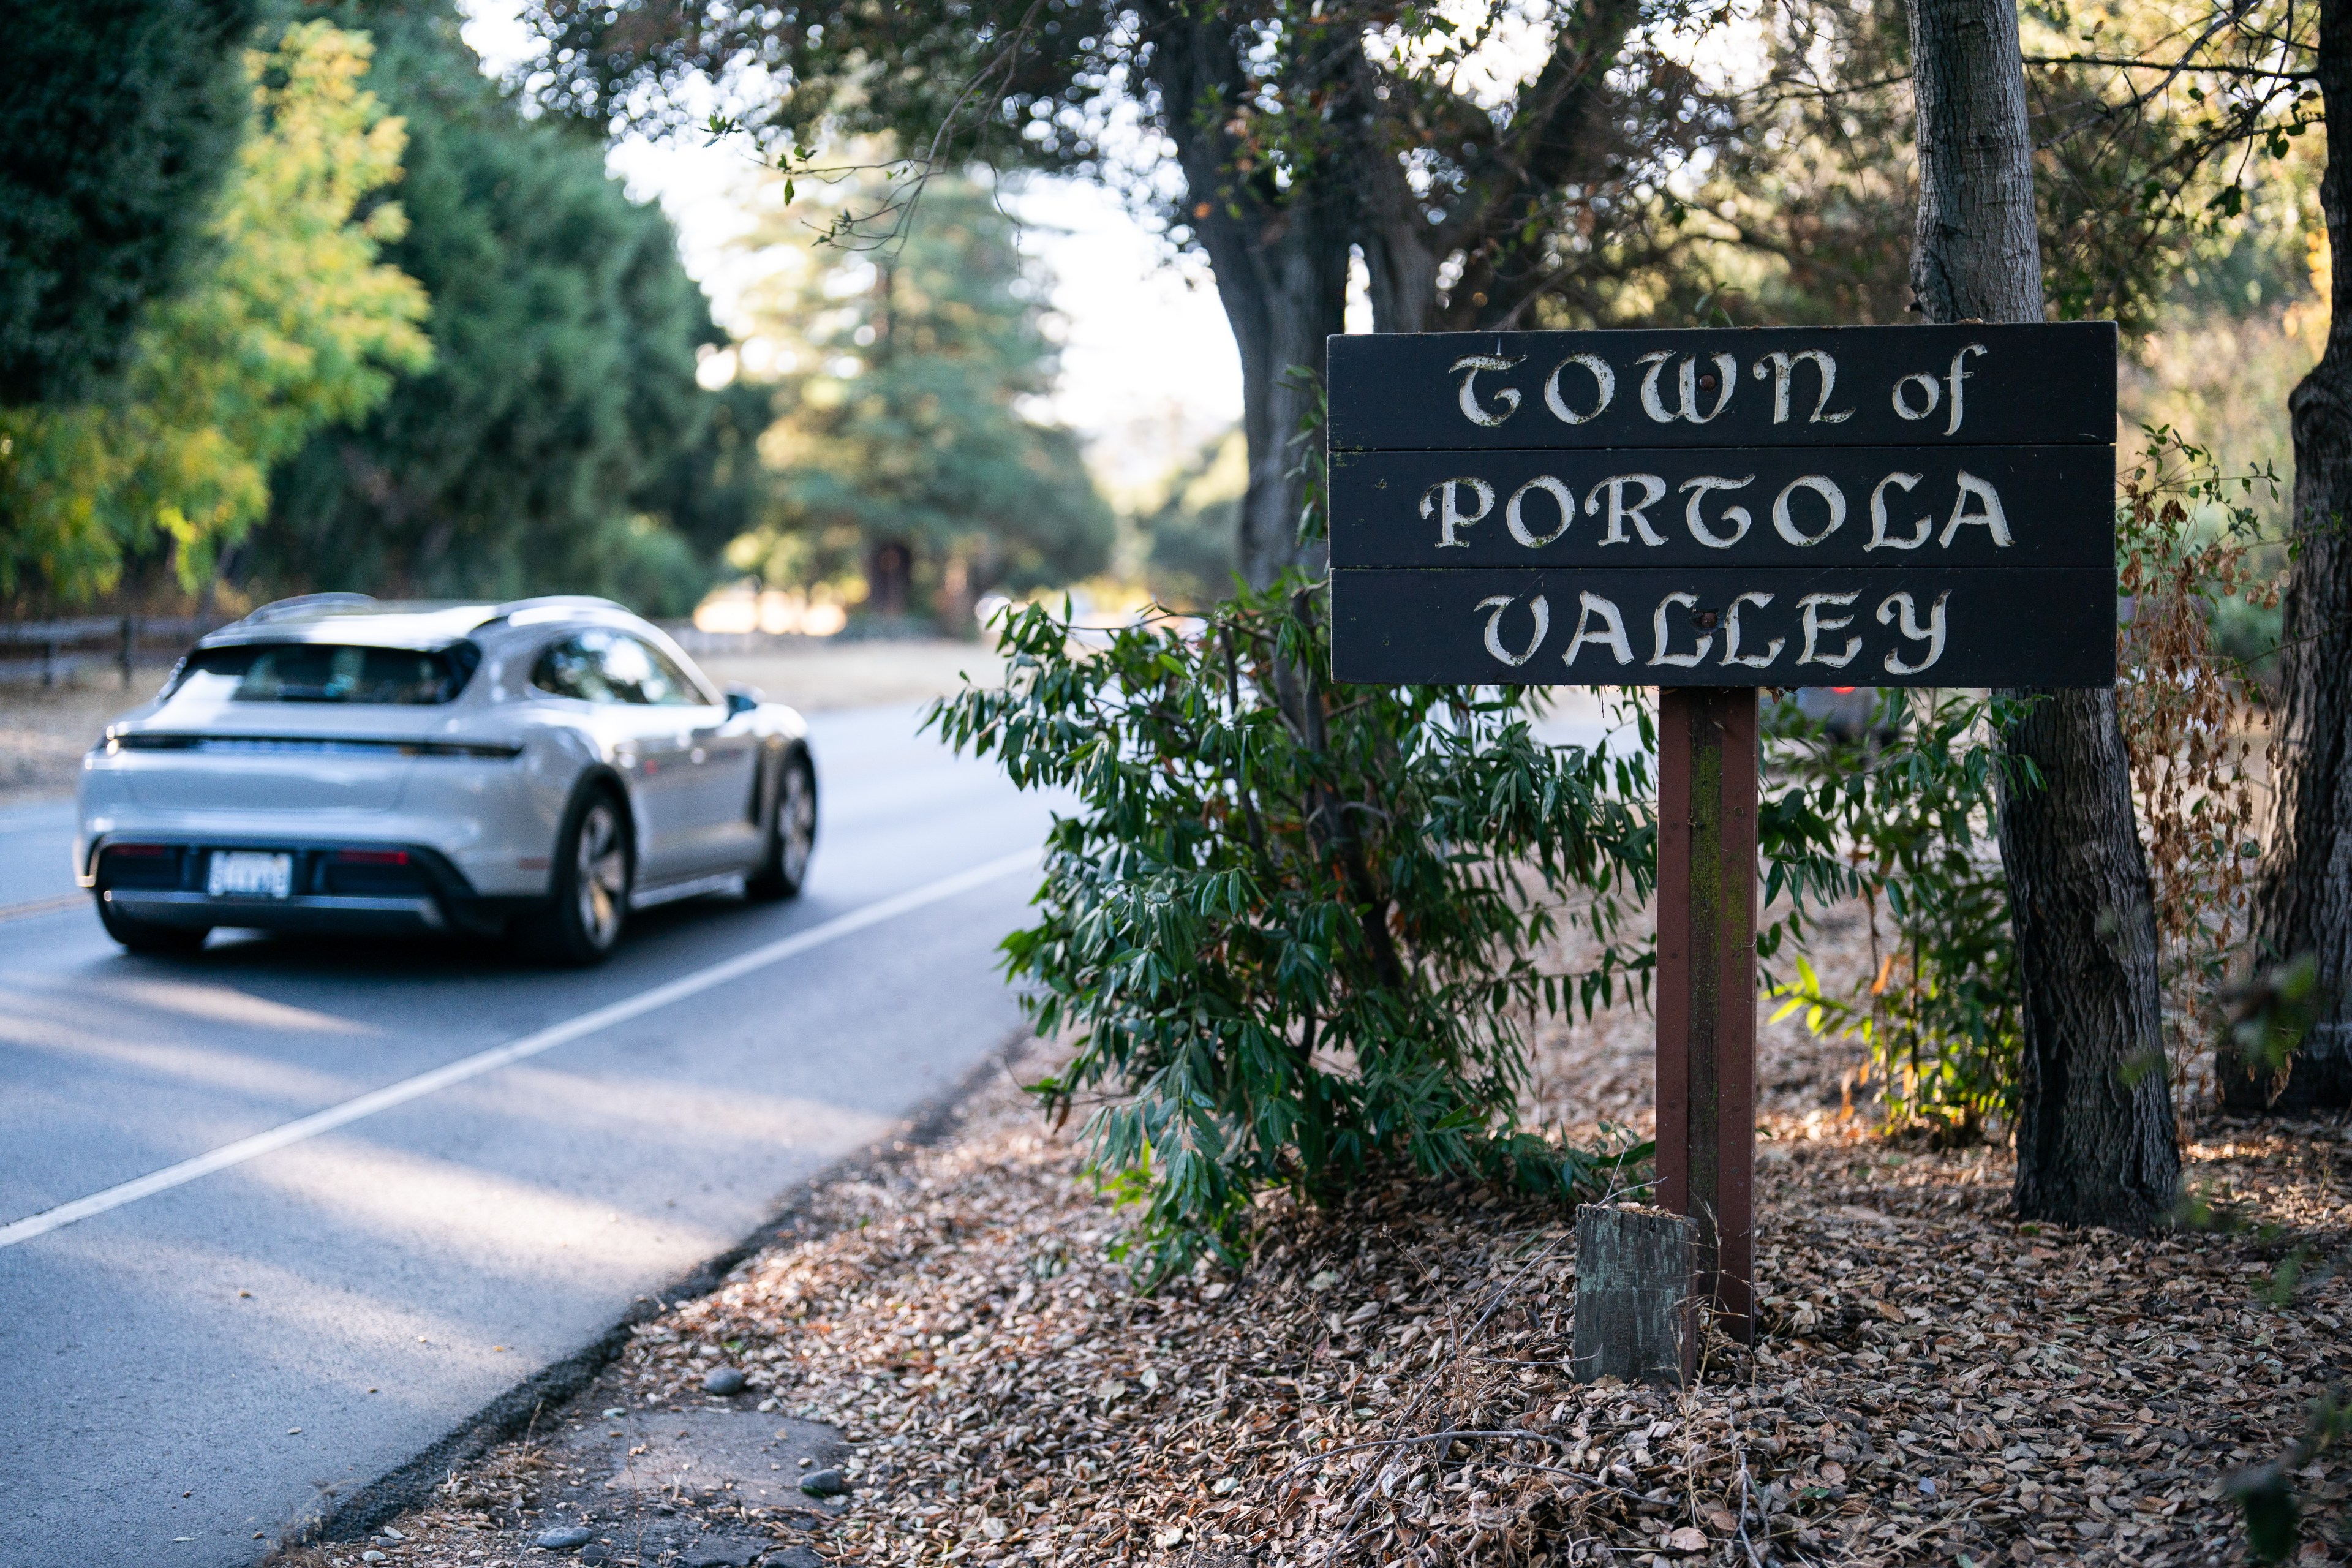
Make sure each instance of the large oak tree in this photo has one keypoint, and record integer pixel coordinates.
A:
(1300, 130)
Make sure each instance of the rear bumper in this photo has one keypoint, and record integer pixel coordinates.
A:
(361, 888)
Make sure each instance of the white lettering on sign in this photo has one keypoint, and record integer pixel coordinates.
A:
(1780, 367)
(1443, 500)
(1989, 511)
(1903, 409)
(1814, 624)
(1658, 625)
(1808, 509)
(1654, 489)
(1600, 625)
(1958, 376)
(1610, 633)
(1879, 537)
(1604, 380)
(1703, 387)
(1731, 654)
(1467, 368)
(1725, 379)
(1498, 604)
(1562, 497)
(1932, 633)
(1821, 485)
(1949, 391)
(1700, 489)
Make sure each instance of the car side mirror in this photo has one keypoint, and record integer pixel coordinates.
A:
(741, 700)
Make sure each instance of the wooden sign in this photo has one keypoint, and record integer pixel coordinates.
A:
(1709, 512)
(1856, 506)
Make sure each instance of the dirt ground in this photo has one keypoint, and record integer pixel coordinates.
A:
(44, 732)
(1935, 1381)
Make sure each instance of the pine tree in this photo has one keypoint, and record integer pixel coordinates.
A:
(543, 450)
(904, 442)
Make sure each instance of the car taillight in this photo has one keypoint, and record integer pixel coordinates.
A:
(370, 856)
(140, 851)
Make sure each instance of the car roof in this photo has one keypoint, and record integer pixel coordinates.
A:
(404, 623)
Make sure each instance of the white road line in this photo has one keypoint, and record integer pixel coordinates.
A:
(497, 1056)
(41, 907)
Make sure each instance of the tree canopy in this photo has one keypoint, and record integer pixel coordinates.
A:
(119, 120)
(543, 450)
(294, 325)
(904, 440)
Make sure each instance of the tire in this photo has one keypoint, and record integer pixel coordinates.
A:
(792, 835)
(595, 867)
(149, 938)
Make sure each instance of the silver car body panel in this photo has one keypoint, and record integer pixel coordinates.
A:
(482, 780)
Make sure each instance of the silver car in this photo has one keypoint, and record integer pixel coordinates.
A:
(539, 768)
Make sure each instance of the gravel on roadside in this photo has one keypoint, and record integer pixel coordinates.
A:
(1935, 1381)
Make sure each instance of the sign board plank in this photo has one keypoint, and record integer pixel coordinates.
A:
(1892, 506)
(1963, 626)
(2040, 384)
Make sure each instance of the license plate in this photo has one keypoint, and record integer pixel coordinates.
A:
(240, 874)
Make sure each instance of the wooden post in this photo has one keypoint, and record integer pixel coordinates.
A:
(1706, 985)
(1634, 1306)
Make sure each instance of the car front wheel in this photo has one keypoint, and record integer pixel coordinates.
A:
(149, 938)
(593, 870)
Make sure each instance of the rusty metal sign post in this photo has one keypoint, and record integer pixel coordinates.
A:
(1711, 513)
(1706, 985)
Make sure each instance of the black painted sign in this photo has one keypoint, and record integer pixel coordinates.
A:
(1881, 506)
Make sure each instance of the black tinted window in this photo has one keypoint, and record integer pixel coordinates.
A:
(603, 666)
(327, 672)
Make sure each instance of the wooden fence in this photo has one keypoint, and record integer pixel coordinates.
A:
(66, 647)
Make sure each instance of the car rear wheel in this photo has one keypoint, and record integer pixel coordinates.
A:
(791, 834)
(593, 870)
(149, 938)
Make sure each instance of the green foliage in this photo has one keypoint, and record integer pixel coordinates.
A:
(294, 326)
(119, 122)
(902, 443)
(1294, 929)
(562, 406)
(1909, 805)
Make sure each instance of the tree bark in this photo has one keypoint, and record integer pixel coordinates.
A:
(1280, 257)
(2096, 1143)
(2303, 900)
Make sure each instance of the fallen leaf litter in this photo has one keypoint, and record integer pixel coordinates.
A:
(1935, 1381)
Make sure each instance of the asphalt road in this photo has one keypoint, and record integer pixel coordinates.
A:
(184, 1371)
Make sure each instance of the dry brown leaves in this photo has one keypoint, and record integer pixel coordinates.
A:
(1936, 1383)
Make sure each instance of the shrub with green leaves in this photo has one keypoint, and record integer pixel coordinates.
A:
(1295, 929)
(1908, 807)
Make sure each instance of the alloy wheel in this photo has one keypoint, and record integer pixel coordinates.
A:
(603, 875)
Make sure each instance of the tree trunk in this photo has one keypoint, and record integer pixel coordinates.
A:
(889, 578)
(1280, 256)
(2096, 1143)
(2302, 902)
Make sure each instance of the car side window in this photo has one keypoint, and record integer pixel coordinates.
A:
(602, 666)
(575, 667)
(643, 673)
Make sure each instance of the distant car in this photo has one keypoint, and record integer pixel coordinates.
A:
(539, 768)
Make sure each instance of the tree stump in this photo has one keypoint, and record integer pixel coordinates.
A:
(1634, 1303)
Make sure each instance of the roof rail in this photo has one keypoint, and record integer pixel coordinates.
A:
(562, 601)
(283, 609)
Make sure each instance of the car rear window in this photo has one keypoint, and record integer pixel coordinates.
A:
(328, 672)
